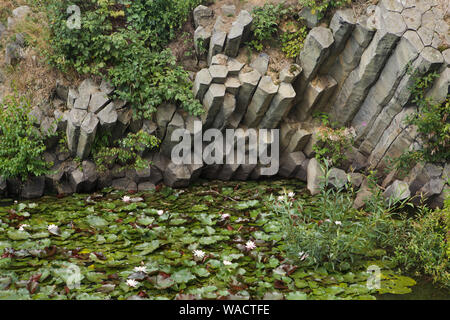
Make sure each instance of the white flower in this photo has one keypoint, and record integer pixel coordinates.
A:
(280, 198)
(327, 220)
(250, 245)
(53, 228)
(126, 199)
(291, 194)
(225, 216)
(132, 283)
(140, 269)
(23, 226)
(160, 212)
(199, 254)
(338, 223)
(302, 255)
(227, 262)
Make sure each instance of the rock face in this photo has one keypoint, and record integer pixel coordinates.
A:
(357, 70)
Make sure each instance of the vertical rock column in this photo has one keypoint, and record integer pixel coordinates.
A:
(382, 91)
(212, 102)
(390, 28)
(262, 98)
(279, 107)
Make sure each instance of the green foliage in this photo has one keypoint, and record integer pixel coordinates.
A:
(21, 143)
(433, 125)
(124, 41)
(292, 42)
(126, 152)
(333, 143)
(420, 244)
(321, 7)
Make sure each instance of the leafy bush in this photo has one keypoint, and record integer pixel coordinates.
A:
(292, 42)
(21, 143)
(265, 23)
(126, 152)
(125, 43)
(321, 7)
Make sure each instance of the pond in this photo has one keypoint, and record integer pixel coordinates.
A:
(169, 244)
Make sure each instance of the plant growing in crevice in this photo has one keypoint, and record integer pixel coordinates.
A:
(126, 152)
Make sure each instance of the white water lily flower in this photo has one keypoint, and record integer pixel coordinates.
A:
(53, 229)
(327, 220)
(23, 226)
(132, 283)
(250, 245)
(142, 269)
(227, 263)
(225, 216)
(291, 194)
(338, 223)
(280, 198)
(126, 199)
(160, 212)
(199, 254)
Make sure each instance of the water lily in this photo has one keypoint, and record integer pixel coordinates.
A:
(227, 262)
(126, 199)
(291, 194)
(199, 254)
(142, 269)
(338, 223)
(280, 198)
(160, 212)
(250, 245)
(23, 226)
(327, 220)
(302, 255)
(132, 283)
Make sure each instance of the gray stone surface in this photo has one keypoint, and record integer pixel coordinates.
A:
(249, 82)
(222, 119)
(177, 176)
(202, 38)
(261, 63)
(202, 82)
(245, 19)
(218, 73)
(74, 122)
(98, 101)
(290, 74)
(397, 191)
(234, 67)
(337, 178)
(279, 107)
(108, 117)
(212, 103)
(228, 10)
(167, 145)
(202, 15)
(232, 85)
(234, 39)
(216, 44)
(219, 59)
(315, 176)
(311, 19)
(33, 188)
(428, 59)
(358, 83)
(290, 162)
(260, 102)
(164, 115)
(124, 184)
(87, 135)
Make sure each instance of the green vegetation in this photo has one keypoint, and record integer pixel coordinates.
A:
(125, 42)
(126, 152)
(332, 144)
(292, 42)
(21, 143)
(433, 125)
(265, 23)
(321, 7)
(106, 238)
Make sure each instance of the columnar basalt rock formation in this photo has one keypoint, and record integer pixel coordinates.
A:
(359, 70)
